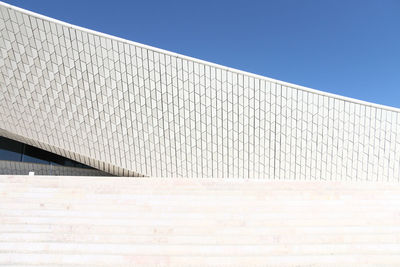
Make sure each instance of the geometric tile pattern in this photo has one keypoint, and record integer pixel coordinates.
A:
(130, 109)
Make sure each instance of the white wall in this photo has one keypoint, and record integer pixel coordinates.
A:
(130, 109)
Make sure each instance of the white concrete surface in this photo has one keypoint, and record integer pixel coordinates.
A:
(102, 221)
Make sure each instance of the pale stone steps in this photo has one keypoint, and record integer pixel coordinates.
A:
(113, 221)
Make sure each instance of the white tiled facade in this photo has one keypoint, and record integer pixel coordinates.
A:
(130, 109)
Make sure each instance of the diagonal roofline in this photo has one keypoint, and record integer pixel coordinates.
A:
(155, 49)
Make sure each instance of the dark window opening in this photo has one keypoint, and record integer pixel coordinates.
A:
(15, 151)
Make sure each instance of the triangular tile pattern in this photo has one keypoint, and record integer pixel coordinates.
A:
(128, 110)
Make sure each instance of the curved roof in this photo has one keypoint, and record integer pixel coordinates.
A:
(131, 109)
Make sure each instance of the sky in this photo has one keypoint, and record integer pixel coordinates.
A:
(350, 48)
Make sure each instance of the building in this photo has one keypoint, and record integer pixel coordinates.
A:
(74, 102)
(129, 109)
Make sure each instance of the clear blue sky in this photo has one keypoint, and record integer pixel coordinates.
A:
(350, 48)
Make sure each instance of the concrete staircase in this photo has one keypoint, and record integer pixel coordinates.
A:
(99, 221)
